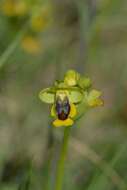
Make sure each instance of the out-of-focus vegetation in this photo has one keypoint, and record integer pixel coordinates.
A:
(39, 42)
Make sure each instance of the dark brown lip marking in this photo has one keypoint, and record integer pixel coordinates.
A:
(62, 108)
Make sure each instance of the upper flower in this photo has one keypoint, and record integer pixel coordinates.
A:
(31, 44)
(68, 97)
(14, 7)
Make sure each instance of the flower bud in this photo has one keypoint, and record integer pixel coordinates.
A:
(71, 78)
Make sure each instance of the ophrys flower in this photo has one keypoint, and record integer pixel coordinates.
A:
(70, 98)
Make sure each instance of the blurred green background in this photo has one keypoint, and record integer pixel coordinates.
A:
(39, 41)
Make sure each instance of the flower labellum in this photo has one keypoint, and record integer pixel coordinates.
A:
(62, 108)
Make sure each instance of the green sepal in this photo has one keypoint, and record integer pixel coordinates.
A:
(47, 95)
(84, 82)
(75, 95)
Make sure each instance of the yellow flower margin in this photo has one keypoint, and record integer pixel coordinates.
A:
(69, 121)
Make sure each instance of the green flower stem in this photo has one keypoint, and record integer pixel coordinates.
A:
(61, 162)
(11, 48)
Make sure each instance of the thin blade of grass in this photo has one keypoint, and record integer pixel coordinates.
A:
(106, 168)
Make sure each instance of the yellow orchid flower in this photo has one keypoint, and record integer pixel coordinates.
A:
(70, 98)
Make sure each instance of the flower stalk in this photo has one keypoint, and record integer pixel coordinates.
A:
(62, 158)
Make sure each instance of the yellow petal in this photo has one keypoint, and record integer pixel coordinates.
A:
(73, 111)
(53, 113)
(93, 99)
(61, 123)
